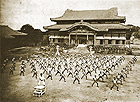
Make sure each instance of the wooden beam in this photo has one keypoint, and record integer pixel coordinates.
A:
(69, 39)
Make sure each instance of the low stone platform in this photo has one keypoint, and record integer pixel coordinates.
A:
(81, 45)
(79, 50)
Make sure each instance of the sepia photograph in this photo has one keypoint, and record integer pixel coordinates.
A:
(70, 51)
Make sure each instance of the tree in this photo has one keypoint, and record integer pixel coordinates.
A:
(34, 35)
(135, 31)
(27, 28)
(38, 35)
(137, 34)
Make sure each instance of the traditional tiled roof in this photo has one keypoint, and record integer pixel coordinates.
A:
(89, 15)
(96, 27)
(7, 32)
(78, 24)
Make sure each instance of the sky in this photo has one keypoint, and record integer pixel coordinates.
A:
(16, 13)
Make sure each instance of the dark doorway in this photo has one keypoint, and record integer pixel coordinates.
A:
(82, 41)
(101, 41)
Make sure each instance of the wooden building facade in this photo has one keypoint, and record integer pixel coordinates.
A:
(90, 27)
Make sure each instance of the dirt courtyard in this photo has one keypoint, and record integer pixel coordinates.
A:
(16, 88)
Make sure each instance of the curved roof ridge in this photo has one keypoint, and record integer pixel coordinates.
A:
(124, 25)
(85, 10)
(61, 16)
(111, 13)
(82, 23)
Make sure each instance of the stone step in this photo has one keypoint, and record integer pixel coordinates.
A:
(79, 50)
(81, 45)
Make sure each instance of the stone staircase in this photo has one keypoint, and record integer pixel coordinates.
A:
(79, 49)
(81, 45)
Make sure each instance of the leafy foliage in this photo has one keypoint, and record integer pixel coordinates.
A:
(34, 35)
(136, 31)
(137, 34)
(27, 28)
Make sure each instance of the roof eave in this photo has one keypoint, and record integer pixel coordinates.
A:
(56, 20)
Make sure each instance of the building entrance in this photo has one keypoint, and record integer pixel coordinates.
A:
(81, 34)
(82, 41)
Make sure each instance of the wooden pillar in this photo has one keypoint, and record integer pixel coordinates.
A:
(94, 39)
(69, 39)
(76, 39)
(125, 41)
(87, 38)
